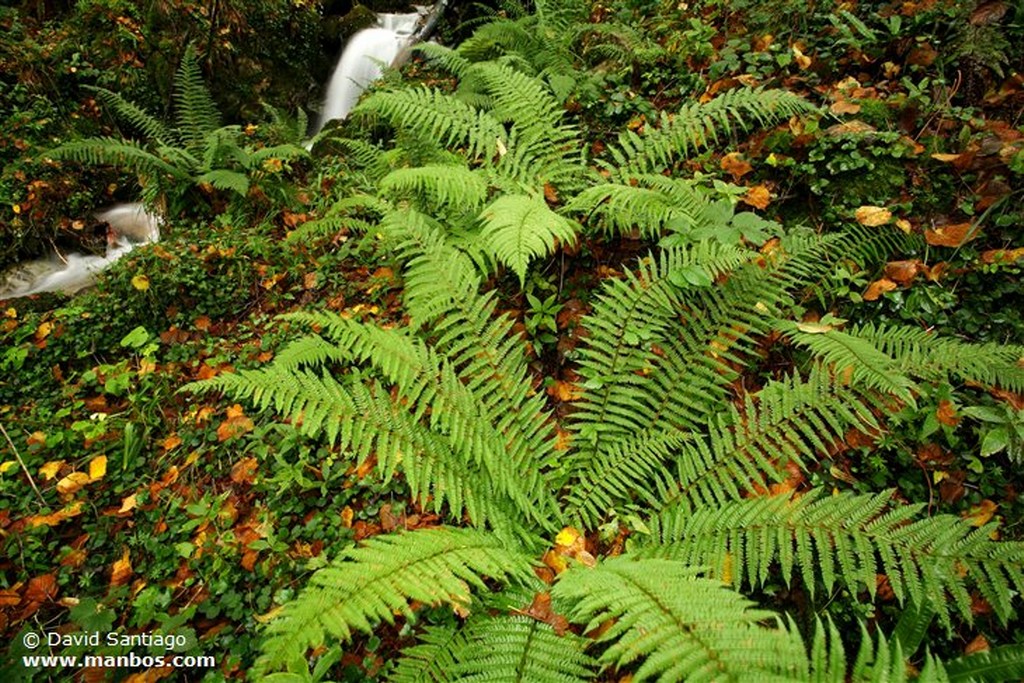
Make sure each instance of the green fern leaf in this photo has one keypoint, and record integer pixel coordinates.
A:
(518, 229)
(196, 113)
(682, 626)
(373, 583)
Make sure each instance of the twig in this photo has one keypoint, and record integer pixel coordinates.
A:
(21, 462)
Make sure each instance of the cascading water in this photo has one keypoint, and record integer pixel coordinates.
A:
(362, 62)
(364, 59)
(130, 226)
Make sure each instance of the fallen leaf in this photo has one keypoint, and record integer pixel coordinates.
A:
(128, 504)
(121, 570)
(171, 442)
(72, 483)
(97, 468)
(950, 235)
(41, 588)
(902, 272)
(872, 216)
(802, 60)
(202, 323)
(979, 644)
(879, 287)
(564, 391)
(757, 196)
(140, 282)
(56, 518)
(235, 425)
(981, 514)
(734, 165)
(946, 414)
(945, 157)
(49, 470)
(43, 331)
(244, 471)
(844, 107)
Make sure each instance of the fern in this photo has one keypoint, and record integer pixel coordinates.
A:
(517, 229)
(196, 112)
(852, 537)
(439, 185)
(685, 627)
(373, 583)
(110, 151)
(698, 125)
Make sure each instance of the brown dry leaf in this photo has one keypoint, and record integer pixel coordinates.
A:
(950, 235)
(734, 165)
(235, 425)
(121, 570)
(202, 323)
(563, 440)
(872, 216)
(128, 504)
(986, 14)
(945, 157)
(946, 414)
(550, 194)
(309, 281)
(902, 272)
(97, 468)
(249, 558)
(555, 561)
(540, 609)
(171, 442)
(41, 588)
(244, 471)
(49, 470)
(74, 558)
(879, 287)
(844, 107)
(757, 196)
(981, 514)
(346, 516)
(979, 644)
(72, 483)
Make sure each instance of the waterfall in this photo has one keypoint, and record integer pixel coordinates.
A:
(363, 60)
(130, 226)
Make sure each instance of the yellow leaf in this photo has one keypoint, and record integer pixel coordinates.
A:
(269, 616)
(980, 514)
(904, 225)
(140, 282)
(873, 216)
(814, 328)
(945, 157)
(72, 483)
(727, 569)
(49, 470)
(98, 467)
(128, 504)
(567, 536)
(43, 331)
(5, 466)
(802, 60)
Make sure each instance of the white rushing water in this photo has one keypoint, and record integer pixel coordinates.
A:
(363, 60)
(130, 226)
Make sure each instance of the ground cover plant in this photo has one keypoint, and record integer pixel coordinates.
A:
(645, 341)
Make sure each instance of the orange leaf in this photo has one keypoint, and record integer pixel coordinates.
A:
(202, 323)
(877, 288)
(236, 425)
(802, 60)
(171, 442)
(734, 165)
(902, 272)
(981, 514)
(565, 391)
(41, 588)
(872, 216)
(946, 414)
(56, 518)
(757, 196)
(844, 107)
(945, 157)
(979, 644)
(121, 570)
(950, 235)
(244, 471)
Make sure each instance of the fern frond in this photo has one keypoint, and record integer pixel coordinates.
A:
(376, 581)
(434, 115)
(849, 538)
(877, 659)
(195, 111)
(518, 229)
(439, 185)
(135, 116)
(931, 357)
(226, 180)
(682, 626)
(113, 152)
(853, 359)
(432, 660)
(518, 648)
(624, 208)
(696, 126)
(1004, 663)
